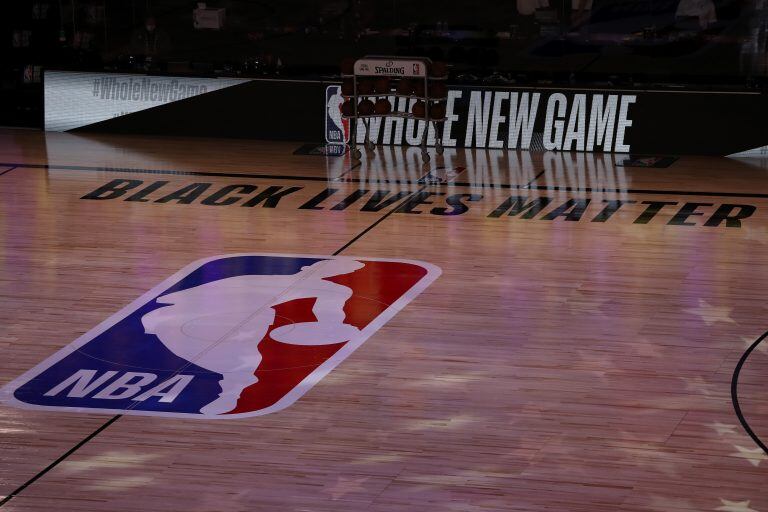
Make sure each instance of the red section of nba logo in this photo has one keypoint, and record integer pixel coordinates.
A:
(376, 286)
(284, 366)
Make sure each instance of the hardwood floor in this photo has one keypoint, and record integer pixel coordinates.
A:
(575, 354)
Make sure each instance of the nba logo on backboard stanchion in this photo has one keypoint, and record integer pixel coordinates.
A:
(226, 337)
(336, 127)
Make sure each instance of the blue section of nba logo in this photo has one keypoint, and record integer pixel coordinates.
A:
(126, 351)
(336, 127)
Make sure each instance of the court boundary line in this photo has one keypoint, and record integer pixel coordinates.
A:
(8, 170)
(528, 186)
(116, 417)
(735, 393)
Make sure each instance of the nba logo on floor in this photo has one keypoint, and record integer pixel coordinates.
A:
(336, 127)
(226, 337)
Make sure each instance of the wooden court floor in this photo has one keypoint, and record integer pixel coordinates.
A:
(577, 353)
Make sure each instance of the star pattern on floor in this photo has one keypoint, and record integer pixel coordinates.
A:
(761, 347)
(759, 235)
(735, 506)
(754, 455)
(723, 429)
(346, 485)
(712, 314)
(699, 385)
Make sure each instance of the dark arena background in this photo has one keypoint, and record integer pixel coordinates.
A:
(390, 256)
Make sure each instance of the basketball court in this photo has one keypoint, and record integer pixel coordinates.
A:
(575, 347)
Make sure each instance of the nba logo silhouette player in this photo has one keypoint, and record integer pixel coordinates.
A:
(219, 325)
(226, 337)
(336, 127)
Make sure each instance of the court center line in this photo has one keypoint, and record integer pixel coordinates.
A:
(735, 393)
(352, 168)
(113, 419)
(59, 460)
(397, 182)
(378, 221)
(528, 185)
